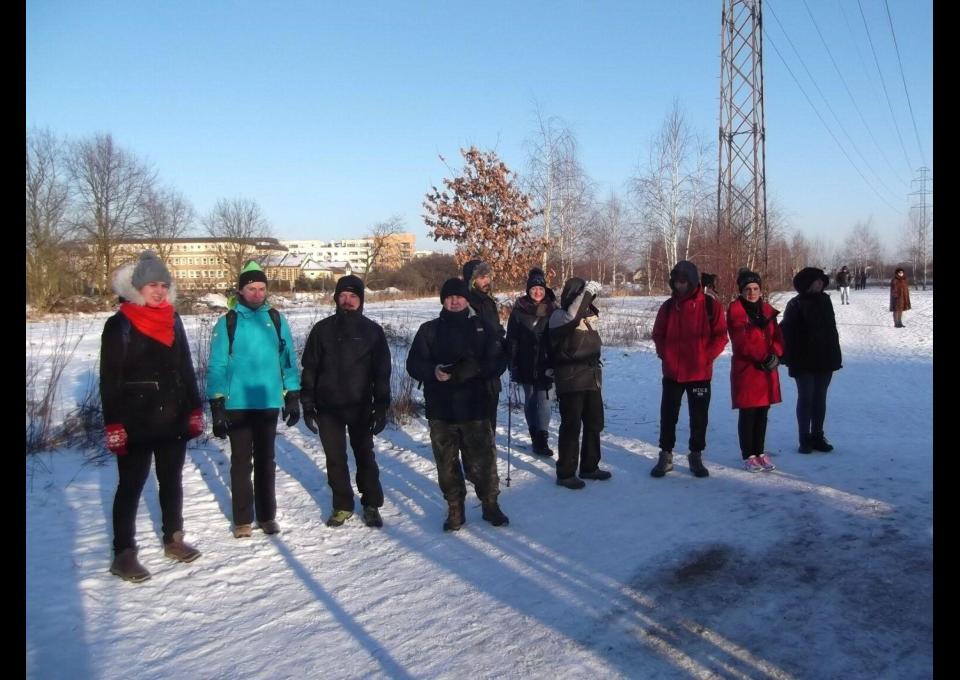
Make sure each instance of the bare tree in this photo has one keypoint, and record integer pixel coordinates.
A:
(560, 190)
(47, 203)
(861, 249)
(237, 223)
(613, 240)
(384, 247)
(111, 184)
(166, 215)
(671, 191)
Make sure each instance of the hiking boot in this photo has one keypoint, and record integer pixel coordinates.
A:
(696, 464)
(493, 514)
(596, 474)
(178, 549)
(269, 527)
(541, 446)
(339, 517)
(455, 517)
(571, 483)
(804, 444)
(126, 566)
(752, 464)
(819, 443)
(371, 517)
(766, 463)
(664, 465)
(243, 531)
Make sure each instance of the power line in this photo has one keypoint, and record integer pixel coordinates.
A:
(883, 84)
(829, 131)
(853, 99)
(829, 107)
(904, 79)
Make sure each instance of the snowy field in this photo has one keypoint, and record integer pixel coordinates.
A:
(821, 569)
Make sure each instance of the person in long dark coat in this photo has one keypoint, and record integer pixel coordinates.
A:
(151, 407)
(899, 296)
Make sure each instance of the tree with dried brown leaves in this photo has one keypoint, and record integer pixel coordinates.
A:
(487, 216)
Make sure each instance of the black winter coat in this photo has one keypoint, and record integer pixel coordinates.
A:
(812, 344)
(145, 386)
(451, 338)
(575, 347)
(346, 362)
(526, 340)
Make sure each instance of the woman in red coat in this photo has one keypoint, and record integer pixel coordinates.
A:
(757, 348)
(899, 296)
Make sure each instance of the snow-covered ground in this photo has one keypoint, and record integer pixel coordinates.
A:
(822, 569)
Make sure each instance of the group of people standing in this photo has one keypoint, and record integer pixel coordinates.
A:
(152, 405)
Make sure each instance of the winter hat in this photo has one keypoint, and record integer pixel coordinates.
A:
(708, 280)
(684, 269)
(745, 277)
(474, 269)
(454, 286)
(351, 284)
(252, 272)
(536, 277)
(804, 278)
(148, 270)
(571, 289)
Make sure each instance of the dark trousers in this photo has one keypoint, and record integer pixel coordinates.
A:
(134, 468)
(812, 401)
(752, 429)
(334, 427)
(698, 404)
(252, 435)
(579, 408)
(473, 441)
(490, 408)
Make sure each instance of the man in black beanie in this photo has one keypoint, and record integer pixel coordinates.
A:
(455, 357)
(479, 279)
(345, 389)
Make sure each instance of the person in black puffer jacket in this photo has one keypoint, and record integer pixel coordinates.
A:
(575, 356)
(345, 388)
(455, 357)
(527, 349)
(812, 353)
(151, 407)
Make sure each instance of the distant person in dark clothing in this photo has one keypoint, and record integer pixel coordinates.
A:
(812, 353)
(843, 283)
(345, 389)
(455, 356)
(899, 296)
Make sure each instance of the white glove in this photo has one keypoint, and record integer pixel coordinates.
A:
(593, 287)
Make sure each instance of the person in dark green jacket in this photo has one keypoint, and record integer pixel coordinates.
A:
(252, 376)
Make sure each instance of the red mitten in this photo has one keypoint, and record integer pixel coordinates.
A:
(196, 422)
(116, 437)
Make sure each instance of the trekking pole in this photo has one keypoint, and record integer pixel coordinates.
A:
(509, 427)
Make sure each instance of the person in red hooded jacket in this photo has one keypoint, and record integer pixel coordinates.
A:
(754, 382)
(689, 335)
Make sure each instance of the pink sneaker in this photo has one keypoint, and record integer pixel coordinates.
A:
(752, 464)
(766, 463)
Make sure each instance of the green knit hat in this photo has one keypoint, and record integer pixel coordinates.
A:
(252, 272)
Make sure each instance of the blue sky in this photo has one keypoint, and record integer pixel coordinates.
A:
(332, 115)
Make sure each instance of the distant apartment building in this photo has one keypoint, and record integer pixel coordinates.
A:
(393, 251)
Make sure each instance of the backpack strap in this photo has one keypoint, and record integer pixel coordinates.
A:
(232, 328)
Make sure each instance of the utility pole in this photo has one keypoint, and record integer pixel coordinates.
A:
(923, 227)
(741, 183)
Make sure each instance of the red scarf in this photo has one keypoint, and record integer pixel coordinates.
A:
(154, 322)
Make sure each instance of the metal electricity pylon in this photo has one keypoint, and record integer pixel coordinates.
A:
(742, 186)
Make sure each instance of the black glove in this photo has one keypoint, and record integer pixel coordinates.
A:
(769, 364)
(218, 415)
(291, 408)
(378, 419)
(310, 420)
(466, 368)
